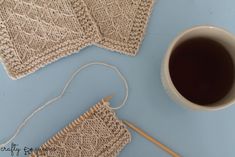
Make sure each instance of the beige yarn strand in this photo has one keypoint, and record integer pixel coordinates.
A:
(68, 83)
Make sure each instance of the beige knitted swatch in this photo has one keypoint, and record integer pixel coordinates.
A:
(97, 133)
(122, 23)
(34, 33)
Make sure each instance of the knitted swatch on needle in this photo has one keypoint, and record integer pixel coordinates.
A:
(97, 133)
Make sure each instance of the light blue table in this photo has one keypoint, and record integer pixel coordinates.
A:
(192, 134)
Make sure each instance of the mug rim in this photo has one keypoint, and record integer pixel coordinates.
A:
(166, 78)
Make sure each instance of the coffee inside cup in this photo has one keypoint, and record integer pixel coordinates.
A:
(202, 70)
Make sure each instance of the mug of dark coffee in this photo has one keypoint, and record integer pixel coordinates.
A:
(198, 69)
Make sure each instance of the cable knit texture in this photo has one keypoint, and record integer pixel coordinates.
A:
(122, 23)
(97, 133)
(34, 33)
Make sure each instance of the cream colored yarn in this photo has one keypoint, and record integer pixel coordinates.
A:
(97, 133)
(34, 33)
(122, 23)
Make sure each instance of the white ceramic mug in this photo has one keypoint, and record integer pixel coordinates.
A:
(217, 34)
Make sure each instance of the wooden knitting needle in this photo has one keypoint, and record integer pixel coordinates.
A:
(108, 98)
(142, 133)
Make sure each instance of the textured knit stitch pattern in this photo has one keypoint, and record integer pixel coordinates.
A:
(34, 33)
(97, 133)
(122, 23)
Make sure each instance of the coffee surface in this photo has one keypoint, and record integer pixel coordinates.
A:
(202, 70)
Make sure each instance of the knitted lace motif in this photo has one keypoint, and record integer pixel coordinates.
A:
(34, 33)
(97, 133)
(122, 23)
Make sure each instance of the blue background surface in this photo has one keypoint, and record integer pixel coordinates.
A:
(191, 133)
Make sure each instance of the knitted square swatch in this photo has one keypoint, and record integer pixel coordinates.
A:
(97, 133)
(122, 23)
(34, 33)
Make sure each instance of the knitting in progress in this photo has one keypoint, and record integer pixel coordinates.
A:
(122, 23)
(34, 33)
(97, 133)
(62, 93)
